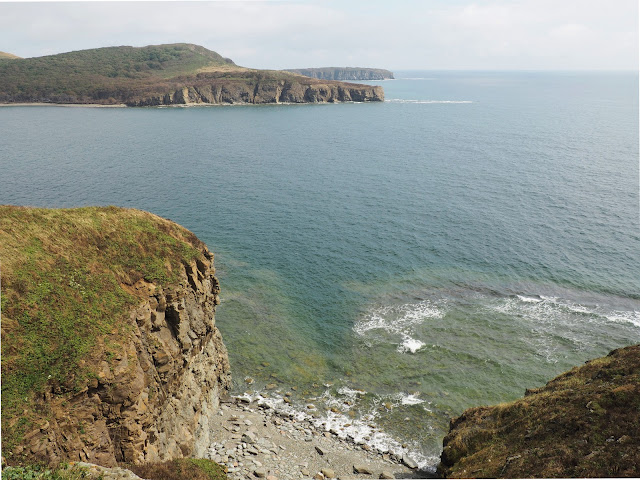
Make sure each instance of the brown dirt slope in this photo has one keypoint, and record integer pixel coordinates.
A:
(584, 423)
(5, 55)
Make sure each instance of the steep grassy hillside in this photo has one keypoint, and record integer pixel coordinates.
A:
(101, 73)
(159, 75)
(67, 288)
(584, 423)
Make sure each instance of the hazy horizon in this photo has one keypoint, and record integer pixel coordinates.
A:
(524, 35)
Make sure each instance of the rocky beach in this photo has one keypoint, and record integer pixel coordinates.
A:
(254, 440)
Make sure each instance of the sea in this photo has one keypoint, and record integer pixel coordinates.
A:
(384, 266)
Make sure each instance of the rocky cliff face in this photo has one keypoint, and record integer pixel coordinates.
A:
(345, 73)
(154, 398)
(263, 91)
(584, 423)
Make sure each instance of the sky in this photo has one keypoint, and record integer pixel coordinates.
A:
(398, 34)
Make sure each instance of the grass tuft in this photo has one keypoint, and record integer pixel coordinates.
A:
(191, 468)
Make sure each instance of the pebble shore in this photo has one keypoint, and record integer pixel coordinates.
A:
(255, 441)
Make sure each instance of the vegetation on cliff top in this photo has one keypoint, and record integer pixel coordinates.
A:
(130, 75)
(103, 73)
(584, 423)
(67, 278)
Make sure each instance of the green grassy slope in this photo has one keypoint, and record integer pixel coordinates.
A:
(180, 469)
(103, 73)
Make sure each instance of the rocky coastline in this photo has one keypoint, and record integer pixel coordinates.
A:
(155, 386)
(174, 74)
(261, 92)
(254, 440)
(219, 93)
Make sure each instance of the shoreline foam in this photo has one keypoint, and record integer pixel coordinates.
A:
(252, 435)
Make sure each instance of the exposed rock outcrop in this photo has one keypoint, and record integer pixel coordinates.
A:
(155, 399)
(156, 382)
(584, 423)
(344, 73)
(263, 91)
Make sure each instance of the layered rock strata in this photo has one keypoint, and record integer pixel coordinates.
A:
(259, 92)
(153, 398)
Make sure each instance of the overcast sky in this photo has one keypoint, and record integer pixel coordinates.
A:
(398, 34)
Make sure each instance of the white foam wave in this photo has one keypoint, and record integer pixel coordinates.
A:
(398, 318)
(359, 431)
(403, 100)
(410, 345)
(580, 309)
(411, 399)
(400, 321)
(554, 321)
(529, 299)
(625, 317)
(544, 308)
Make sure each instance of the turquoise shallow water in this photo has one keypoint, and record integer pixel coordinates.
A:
(472, 236)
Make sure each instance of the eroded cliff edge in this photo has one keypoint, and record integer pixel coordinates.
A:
(110, 352)
(258, 89)
(583, 423)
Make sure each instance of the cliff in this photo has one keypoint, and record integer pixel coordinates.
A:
(110, 351)
(256, 88)
(584, 423)
(344, 73)
(175, 74)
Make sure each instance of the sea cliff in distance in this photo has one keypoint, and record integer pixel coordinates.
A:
(344, 73)
(173, 74)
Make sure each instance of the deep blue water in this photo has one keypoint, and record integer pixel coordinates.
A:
(470, 237)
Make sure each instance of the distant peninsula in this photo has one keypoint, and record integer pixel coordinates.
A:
(344, 73)
(174, 74)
